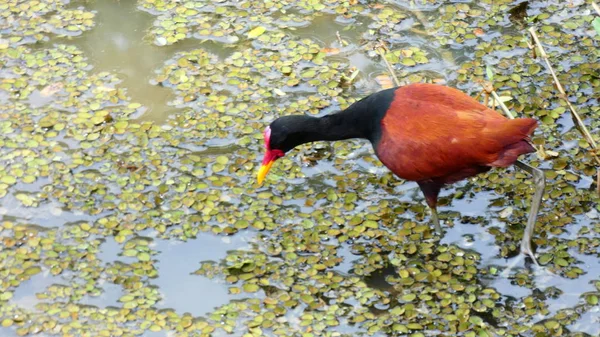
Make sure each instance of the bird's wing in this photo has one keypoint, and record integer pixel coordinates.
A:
(432, 134)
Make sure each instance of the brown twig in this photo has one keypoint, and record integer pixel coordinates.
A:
(380, 47)
(502, 106)
(339, 37)
(596, 7)
(488, 88)
(576, 118)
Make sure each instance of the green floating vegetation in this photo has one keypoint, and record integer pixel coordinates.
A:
(337, 248)
(27, 22)
(233, 22)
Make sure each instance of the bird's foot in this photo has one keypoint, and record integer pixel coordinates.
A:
(436, 221)
(526, 249)
(438, 228)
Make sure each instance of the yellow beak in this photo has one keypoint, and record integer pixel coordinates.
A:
(264, 169)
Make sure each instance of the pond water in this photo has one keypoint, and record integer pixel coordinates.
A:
(131, 132)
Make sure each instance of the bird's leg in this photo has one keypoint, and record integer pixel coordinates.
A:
(431, 190)
(540, 183)
(436, 220)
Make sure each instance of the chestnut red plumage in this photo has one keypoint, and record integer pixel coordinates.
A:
(431, 134)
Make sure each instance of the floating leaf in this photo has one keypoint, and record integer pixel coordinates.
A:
(385, 81)
(256, 32)
(505, 213)
(331, 51)
(250, 287)
(489, 72)
(51, 89)
(10, 180)
(596, 25)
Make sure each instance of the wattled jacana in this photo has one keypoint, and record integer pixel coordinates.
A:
(431, 134)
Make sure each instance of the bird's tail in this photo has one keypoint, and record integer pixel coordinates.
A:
(514, 135)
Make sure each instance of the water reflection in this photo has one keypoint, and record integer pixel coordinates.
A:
(118, 44)
(184, 291)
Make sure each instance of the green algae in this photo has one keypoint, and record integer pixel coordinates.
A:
(68, 138)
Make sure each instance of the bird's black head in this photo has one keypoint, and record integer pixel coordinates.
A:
(287, 132)
(284, 134)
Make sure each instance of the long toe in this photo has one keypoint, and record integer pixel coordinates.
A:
(526, 249)
(438, 228)
(436, 221)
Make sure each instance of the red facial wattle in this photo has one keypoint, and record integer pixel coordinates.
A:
(271, 155)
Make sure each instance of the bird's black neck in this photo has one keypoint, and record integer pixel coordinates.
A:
(345, 124)
(360, 120)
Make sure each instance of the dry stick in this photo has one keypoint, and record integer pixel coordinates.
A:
(489, 89)
(563, 94)
(576, 118)
(504, 108)
(381, 51)
(596, 7)
(337, 33)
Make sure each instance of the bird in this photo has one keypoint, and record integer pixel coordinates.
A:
(432, 134)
